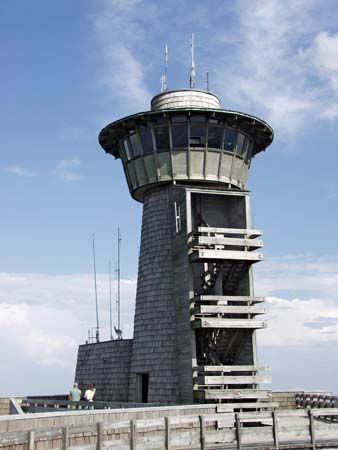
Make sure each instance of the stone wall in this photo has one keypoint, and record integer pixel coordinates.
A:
(107, 365)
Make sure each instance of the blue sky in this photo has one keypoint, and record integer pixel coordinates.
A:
(69, 68)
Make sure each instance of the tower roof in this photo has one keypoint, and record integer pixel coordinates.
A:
(185, 98)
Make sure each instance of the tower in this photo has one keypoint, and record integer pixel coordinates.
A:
(187, 161)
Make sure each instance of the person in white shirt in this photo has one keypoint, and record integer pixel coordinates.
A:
(90, 393)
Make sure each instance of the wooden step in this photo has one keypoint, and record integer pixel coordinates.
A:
(228, 323)
(225, 407)
(228, 298)
(247, 368)
(219, 380)
(226, 309)
(219, 394)
(224, 241)
(233, 255)
(249, 232)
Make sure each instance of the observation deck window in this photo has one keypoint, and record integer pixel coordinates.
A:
(197, 131)
(135, 144)
(240, 149)
(215, 136)
(230, 138)
(162, 138)
(249, 150)
(146, 140)
(246, 146)
(125, 147)
(180, 134)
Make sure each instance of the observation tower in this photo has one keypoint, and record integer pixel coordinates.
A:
(187, 160)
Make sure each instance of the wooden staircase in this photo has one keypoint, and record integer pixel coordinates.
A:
(224, 322)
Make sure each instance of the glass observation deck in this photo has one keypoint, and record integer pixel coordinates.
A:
(186, 141)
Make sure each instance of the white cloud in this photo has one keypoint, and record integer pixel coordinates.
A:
(66, 170)
(302, 298)
(120, 38)
(20, 171)
(276, 59)
(43, 319)
(279, 54)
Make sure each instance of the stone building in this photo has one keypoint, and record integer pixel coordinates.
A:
(187, 160)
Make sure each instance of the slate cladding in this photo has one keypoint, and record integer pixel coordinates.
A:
(154, 345)
(107, 365)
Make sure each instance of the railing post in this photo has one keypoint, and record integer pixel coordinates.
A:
(202, 431)
(312, 430)
(238, 432)
(65, 438)
(167, 433)
(275, 430)
(132, 434)
(31, 444)
(99, 427)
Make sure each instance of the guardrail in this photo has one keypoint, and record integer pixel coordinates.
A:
(317, 428)
(32, 404)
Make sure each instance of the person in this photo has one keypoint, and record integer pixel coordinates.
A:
(75, 393)
(90, 393)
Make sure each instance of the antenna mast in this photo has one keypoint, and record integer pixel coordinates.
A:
(110, 305)
(192, 70)
(118, 330)
(97, 336)
(164, 78)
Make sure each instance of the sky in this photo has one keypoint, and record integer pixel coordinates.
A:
(69, 68)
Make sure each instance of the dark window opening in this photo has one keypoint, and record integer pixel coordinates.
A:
(178, 118)
(230, 138)
(215, 135)
(162, 138)
(127, 149)
(180, 135)
(249, 151)
(240, 144)
(146, 139)
(143, 380)
(197, 135)
(136, 144)
(198, 118)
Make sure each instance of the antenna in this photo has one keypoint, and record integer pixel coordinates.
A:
(110, 305)
(96, 305)
(207, 81)
(192, 70)
(118, 300)
(164, 78)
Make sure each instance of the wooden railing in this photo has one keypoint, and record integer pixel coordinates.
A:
(302, 429)
(225, 243)
(214, 311)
